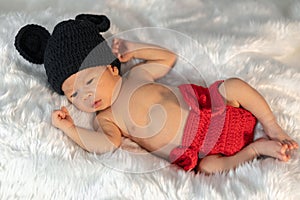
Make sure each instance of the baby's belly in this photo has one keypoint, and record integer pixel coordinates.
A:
(162, 142)
(161, 129)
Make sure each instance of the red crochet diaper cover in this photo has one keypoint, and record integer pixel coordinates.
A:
(212, 127)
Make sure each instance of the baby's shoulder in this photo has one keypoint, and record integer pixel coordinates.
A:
(102, 117)
(138, 73)
(134, 79)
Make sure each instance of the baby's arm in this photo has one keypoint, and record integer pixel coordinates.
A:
(158, 60)
(103, 140)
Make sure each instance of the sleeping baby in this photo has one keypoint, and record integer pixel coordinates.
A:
(205, 129)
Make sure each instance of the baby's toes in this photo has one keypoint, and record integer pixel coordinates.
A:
(283, 148)
(295, 144)
(283, 154)
(290, 143)
(283, 157)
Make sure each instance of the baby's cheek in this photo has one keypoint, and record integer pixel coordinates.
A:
(85, 108)
(69, 100)
(78, 106)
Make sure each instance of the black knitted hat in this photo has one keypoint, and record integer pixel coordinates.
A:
(74, 45)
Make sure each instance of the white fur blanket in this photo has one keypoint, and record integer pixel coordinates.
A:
(258, 41)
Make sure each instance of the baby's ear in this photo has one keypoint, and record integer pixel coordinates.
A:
(31, 42)
(101, 21)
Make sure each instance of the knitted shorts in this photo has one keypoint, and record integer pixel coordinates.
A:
(212, 127)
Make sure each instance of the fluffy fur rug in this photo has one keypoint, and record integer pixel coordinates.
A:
(258, 41)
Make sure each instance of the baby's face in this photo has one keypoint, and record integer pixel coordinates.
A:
(92, 89)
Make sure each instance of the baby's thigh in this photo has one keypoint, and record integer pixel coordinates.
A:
(224, 90)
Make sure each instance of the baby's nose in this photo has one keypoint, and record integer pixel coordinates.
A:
(88, 95)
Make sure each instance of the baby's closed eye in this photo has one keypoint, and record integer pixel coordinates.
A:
(74, 94)
(90, 81)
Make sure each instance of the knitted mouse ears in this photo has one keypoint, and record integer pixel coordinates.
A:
(31, 40)
(74, 45)
(101, 21)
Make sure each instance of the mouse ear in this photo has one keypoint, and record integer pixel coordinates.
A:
(101, 21)
(31, 41)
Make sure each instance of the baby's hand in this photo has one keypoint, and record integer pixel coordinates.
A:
(61, 119)
(122, 49)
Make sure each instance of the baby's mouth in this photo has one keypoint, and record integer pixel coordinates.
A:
(97, 103)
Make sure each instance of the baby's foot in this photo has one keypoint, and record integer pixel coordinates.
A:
(275, 132)
(271, 148)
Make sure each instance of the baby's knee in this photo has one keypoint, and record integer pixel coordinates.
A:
(234, 81)
(203, 167)
(208, 164)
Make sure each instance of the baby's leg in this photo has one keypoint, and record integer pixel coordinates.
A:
(218, 163)
(239, 93)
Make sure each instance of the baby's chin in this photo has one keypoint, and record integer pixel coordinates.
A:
(86, 110)
(92, 110)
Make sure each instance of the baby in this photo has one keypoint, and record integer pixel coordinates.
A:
(197, 128)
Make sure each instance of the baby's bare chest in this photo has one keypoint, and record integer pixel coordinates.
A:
(152, 103)
(151, 114)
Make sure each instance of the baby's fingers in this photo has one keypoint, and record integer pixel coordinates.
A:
(116, 41)
(65, 110)
(67, 114)
(116, 52)
(60, 115)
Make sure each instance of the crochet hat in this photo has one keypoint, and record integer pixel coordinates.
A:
(73, 46)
